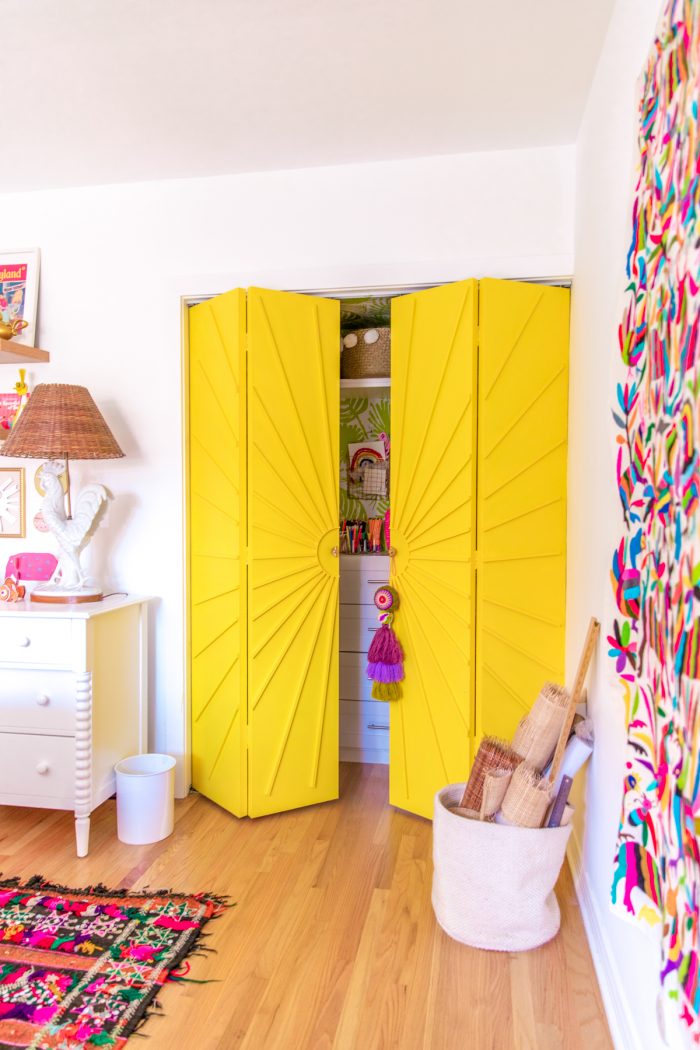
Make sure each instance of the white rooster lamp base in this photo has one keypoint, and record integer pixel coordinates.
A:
(69, 584)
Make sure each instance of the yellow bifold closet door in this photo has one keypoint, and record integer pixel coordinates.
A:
(216, 490)
(521, 541)
(433, 384)
(293, 434)
(263, 540)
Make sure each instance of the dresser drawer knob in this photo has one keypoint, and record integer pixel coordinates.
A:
(24, 643)
(42, 768)
(43, 700)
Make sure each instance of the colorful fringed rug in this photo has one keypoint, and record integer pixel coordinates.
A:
(82, 968)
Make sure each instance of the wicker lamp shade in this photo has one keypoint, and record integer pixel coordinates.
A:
(61, 420)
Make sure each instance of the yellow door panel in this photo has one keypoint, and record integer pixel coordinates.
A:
(433, 369)
(293, 419)
(521, 592)
(216, 489)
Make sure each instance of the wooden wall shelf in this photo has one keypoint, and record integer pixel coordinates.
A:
(12, 353)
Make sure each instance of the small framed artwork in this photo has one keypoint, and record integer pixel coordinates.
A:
(11, 503)
(19, 293)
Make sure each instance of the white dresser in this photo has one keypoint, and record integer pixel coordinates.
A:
(73, 701)
(364, 723)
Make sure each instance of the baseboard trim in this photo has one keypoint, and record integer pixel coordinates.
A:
(624, 1033)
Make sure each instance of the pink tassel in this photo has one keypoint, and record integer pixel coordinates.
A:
(385, 647)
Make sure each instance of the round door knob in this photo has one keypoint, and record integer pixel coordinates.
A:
(334, 552)
(42, 699)
(23, 642)
(42, 768)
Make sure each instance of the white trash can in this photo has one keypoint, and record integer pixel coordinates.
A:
(145, 798)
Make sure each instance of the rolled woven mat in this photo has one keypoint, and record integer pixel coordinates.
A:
(495, 786)
(527, 799)
(537, 735)
(493, 754)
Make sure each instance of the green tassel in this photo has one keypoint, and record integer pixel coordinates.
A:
(130, 995)
(386, 691)
(102, 1039)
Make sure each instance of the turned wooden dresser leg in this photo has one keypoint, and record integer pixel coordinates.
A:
(83, 761)
(82, 835)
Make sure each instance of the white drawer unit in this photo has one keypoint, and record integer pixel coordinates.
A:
(73, 700)
(42, 643)
(360, 576)
(364, 723)
(367, 722)
(358, 626)
(364, 731)
(42, 702)
(37, 769)
(354, 683)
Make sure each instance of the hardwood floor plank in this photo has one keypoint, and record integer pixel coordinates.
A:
(332, 944)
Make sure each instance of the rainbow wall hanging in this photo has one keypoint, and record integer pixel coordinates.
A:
(656, 568)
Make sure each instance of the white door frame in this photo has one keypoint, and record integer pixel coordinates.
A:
(192, 299)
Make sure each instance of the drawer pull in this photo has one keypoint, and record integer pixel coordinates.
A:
(376, 725)
(372, 629)
(42, 768)
(24, 643)
(42, 700)
(381, 583)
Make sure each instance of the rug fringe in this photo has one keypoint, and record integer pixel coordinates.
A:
(39, 882)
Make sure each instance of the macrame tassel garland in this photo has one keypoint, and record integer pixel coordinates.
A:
(385, 656)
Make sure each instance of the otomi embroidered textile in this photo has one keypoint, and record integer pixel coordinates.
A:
(656, 568)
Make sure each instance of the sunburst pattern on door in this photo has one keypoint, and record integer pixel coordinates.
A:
(523, 398)
(293, 504)
(216, 530)
(432, 520)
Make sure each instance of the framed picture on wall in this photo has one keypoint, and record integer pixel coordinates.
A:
(19, 292)
(11, 502)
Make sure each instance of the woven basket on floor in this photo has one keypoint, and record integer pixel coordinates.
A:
(493, 885)
(367, 360)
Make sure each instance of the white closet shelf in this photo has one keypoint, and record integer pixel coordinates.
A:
(365, 384)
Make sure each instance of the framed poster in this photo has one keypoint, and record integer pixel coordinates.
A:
(11, 502)
(19, 291)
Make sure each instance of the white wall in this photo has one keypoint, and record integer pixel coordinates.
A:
(115, 261)
(605, 160)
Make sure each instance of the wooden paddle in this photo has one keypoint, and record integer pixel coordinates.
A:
(576, 691)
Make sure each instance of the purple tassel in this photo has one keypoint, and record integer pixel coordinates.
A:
(385, 647)
(382, 672)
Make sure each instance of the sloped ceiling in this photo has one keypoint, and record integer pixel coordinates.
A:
(99, 91)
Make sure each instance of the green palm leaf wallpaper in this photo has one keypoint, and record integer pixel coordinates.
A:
(365, 312)
(361, 419)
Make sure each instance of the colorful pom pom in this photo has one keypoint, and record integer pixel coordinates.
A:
(386, 598)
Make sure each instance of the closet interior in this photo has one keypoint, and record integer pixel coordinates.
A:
(365, 516)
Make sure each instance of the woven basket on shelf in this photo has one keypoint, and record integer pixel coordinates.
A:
(367, 359)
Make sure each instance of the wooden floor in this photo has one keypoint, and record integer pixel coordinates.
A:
(333, 942)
